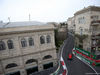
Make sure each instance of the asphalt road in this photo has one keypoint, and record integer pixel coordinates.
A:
(75, 66)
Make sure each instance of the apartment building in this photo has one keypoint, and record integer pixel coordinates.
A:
(84, 17)
(26, 47)
(95, 37)
(71, 24)
(87, 31)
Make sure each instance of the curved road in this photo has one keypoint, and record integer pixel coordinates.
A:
(75, 66)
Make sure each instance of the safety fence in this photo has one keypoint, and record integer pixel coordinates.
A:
(86, 56)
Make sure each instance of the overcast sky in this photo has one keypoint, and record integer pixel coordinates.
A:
(42, 10)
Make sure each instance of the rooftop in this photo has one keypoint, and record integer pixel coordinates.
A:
(24, 26)
(21, 24)
(89, 8)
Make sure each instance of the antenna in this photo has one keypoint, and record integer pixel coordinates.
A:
(9, 19)
(29, 18)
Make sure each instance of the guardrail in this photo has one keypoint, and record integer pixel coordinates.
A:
(86, 56)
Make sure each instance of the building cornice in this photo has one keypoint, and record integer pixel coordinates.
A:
(90, 8)
(26, 31)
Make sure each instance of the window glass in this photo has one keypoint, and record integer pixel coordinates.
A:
(10, 44)
(47, 57)
(11, 65)
(31, 41)
(23, 42)
(79, 20)
(83, 20)
(2, 45)
(48, 39)
(31, 61)
(42, 39)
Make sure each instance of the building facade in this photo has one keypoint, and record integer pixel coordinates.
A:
(87, 31)
(71, 24)
(62, 31)
(84, 17)
(95, 37)
(26, 47)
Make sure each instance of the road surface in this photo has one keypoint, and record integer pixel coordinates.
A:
(75, 66)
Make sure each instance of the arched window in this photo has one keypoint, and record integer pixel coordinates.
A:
(31, 61)
(47, 57)
(31, 41)
(2, 45)
(10, 44)
(48, 39)
(23, 42)
(11, 65)
(42, 39)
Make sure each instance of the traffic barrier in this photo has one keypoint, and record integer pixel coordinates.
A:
(86, 56)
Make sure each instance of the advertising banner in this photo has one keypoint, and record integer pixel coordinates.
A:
(93, 56)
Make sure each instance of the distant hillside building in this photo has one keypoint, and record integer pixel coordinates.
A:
(26, 47)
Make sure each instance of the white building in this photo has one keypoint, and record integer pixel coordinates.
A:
(26, 47)
(87, 21)
(84, 17)
(71, 24)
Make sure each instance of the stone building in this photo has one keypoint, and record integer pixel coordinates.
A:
(71, 24)
(87, 31)
(26, 47)
(95, 37)
(62, 31)
(84, 17)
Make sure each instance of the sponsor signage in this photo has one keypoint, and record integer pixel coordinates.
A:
(93, 56)
(92, 62)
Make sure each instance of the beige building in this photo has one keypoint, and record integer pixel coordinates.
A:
(95, 37)
(71, 24)
(26, 47)
(62, 31)
(84, 17)
(87, 31)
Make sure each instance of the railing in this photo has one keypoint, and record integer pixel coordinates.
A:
(87, 56)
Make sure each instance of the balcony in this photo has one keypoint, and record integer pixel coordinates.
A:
(95, 23)
(95, 36)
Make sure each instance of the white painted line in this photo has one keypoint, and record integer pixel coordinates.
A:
(62, 57)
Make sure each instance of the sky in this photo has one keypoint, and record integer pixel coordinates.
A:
(42, 10)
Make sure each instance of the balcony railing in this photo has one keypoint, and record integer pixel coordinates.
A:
(97, 21)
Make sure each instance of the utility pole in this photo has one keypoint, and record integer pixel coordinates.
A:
(9, 19)
(29, 18)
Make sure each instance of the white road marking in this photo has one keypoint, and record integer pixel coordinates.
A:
(62, 57)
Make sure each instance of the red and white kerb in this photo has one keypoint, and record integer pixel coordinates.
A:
(64, 67)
